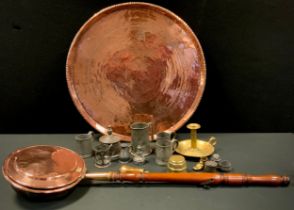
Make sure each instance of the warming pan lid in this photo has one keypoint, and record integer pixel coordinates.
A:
(44, 167)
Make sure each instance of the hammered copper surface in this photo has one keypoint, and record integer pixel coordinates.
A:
(135, 59)
(43, 167)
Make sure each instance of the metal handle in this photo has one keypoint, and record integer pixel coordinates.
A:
(151, 130)
(130, 169)
(99, 176)
(175, 144)
(212, 140)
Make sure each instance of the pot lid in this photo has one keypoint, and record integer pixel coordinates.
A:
(135, 62)
(109, 138)
(44, 167)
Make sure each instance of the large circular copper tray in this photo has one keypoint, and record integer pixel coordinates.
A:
(135, 62)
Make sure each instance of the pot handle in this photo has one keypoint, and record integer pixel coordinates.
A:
(212, 140)
(174, 143)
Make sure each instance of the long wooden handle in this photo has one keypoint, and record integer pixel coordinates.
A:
(193, 178)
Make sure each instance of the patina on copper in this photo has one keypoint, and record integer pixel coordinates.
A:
(135, 60)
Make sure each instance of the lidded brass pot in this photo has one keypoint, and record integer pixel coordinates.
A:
(112, 140)
(177, 163)
(195, 147)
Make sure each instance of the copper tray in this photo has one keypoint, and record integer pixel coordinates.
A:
(135, 62)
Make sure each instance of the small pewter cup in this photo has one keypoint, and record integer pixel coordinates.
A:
(124, 155)
(114, 141)
(139, 157)
(210, 166)
(84, 144)
(164, 147)
(225, 166)
(140, 137)
(102, 156)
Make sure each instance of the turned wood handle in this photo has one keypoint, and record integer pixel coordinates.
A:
(204, 178)
(192, 178)
(246, 179)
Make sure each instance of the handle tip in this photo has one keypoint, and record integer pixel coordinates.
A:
(286, 180)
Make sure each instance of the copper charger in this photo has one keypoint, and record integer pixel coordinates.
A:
(135, 62)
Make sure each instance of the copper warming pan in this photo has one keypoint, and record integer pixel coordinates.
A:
(52, 171)
(135, 62)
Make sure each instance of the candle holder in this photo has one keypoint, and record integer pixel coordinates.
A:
(195, 147)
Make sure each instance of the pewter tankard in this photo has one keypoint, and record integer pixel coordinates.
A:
(164, 147)
(140, 137)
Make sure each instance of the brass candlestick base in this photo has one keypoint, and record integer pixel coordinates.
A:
(195, 147)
